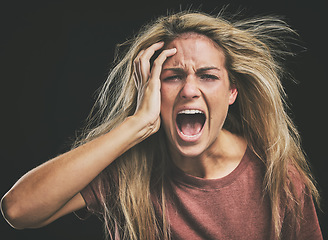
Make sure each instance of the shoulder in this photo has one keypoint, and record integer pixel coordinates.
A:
(295, 180)
(299, 193)
(300, 207)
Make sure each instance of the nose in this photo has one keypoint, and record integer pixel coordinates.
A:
(190, 89)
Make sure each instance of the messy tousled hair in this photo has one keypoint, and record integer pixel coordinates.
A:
(253, 50)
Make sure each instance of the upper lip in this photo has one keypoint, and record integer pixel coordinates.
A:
(190, 111)
(181, 109)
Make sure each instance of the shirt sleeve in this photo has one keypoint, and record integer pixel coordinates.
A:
(91, 196)
(308, 228)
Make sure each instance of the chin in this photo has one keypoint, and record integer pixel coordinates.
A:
(189, 151)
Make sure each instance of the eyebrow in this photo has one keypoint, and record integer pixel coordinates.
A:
(202, 69)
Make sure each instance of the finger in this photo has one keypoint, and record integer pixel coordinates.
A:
(137, 74)
(144, 60)
(149, 52)
(136, 80)
(158, 63)
(141, 64)
(137, 70)
(140, 53)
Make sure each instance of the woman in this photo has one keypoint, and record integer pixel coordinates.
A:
(189, 139)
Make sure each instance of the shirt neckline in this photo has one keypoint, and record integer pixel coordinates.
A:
(190, 181)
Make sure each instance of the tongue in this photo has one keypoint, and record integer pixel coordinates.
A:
(191, 124)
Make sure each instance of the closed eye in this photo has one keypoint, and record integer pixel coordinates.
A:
(209, 77)
(173, 78)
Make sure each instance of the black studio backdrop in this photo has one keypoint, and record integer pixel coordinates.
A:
(55, 54)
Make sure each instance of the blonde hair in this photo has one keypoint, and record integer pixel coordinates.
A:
(252, 49)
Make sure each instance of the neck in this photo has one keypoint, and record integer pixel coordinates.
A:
(217, 161)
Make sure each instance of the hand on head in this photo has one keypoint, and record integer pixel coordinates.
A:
(148, 84)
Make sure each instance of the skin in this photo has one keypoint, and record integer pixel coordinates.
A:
(52, 190)
(196, 78)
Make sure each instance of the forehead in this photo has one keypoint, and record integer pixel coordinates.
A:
(196, 49)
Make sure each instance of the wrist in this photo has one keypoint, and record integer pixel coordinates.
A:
(140, 127)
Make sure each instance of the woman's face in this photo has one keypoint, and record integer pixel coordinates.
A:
(195, 94)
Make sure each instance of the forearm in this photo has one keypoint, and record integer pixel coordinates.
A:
(47, 188)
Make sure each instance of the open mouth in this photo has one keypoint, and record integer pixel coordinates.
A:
(190, 122)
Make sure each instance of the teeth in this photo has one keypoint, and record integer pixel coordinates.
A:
(190, 111)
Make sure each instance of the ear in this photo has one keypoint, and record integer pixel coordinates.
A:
(233, 94)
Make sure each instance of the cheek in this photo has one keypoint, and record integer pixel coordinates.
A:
(218, 105)
(167, 100)
(164, 99)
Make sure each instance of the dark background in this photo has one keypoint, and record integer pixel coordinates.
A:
(55, 54)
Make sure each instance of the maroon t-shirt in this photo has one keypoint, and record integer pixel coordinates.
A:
(232, 207)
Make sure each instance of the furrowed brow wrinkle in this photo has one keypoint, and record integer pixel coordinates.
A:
(178, 70)
(204, 69)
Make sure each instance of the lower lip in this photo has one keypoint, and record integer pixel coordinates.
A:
(190, 139)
